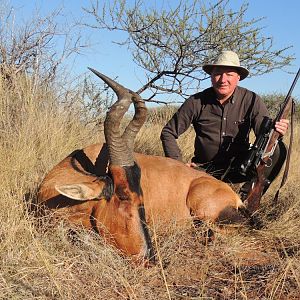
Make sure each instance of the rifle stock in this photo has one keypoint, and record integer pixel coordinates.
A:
(254, 195)
(256, 192)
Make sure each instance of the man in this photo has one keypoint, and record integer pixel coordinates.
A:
(222, 117)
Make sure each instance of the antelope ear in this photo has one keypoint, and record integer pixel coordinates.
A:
(80, 191)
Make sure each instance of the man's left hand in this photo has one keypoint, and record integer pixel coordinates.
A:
(282, 126)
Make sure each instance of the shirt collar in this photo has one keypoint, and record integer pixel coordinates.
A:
(233, 98)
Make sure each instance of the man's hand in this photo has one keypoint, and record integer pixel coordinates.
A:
(282, 126)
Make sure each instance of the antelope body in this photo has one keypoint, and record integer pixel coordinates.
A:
(109, 188)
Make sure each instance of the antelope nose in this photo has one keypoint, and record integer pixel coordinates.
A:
(150, 257)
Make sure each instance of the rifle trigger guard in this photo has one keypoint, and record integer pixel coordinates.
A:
(271, 152)
(269, 162)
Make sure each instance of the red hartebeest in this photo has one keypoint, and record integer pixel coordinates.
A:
(115, 191)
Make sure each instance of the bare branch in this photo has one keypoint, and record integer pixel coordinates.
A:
(32, 47)
(171, 43)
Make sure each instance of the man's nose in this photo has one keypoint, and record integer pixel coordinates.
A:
(223, 77)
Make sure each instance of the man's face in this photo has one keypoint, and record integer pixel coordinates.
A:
(224, 81)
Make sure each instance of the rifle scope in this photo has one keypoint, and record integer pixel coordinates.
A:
(255, 153)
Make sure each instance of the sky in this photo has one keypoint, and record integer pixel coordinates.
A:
(281, 21)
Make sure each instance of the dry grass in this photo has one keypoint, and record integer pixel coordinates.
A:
(42, 261)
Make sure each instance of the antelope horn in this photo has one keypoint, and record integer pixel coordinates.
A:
(117, 88)
(137, 122)
(120, 147)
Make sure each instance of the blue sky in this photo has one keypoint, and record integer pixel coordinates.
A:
(281, 22)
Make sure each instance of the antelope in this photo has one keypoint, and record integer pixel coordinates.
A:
(109, 188)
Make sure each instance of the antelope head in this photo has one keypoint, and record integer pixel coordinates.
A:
(121, 217)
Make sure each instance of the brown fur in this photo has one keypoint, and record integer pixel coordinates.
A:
(119, 199)
(171, 192)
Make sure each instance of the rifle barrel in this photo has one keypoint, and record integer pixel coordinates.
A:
(293, 84)
(287, 98)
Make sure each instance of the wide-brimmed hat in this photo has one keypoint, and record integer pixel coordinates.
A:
(227, 59)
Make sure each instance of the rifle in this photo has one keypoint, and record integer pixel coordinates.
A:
(261, 151)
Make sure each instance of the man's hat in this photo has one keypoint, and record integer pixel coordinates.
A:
(227, 59)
